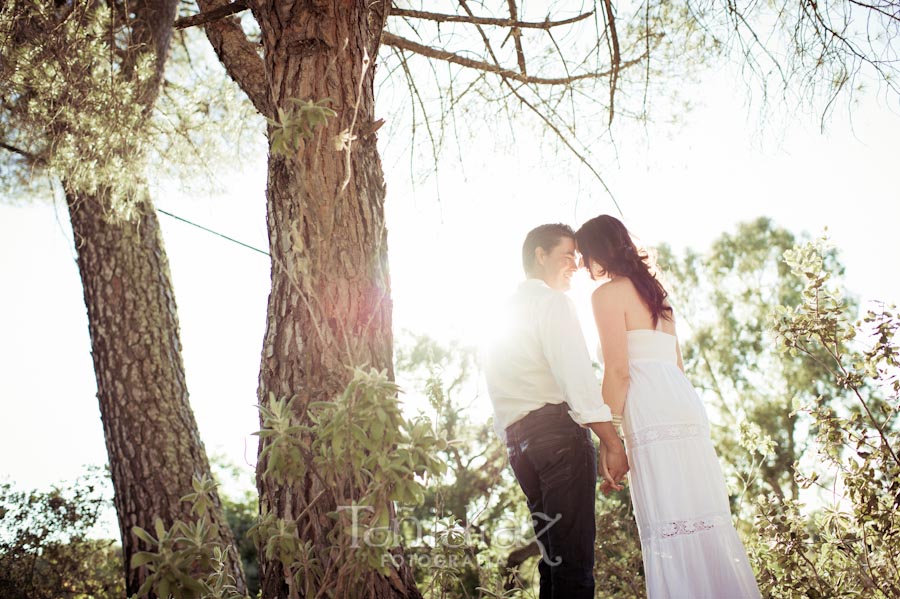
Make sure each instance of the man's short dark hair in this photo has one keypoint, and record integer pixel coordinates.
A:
(546, 237)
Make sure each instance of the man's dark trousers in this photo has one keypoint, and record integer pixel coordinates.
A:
(555, 462)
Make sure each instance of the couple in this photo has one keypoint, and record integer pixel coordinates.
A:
(546, 401)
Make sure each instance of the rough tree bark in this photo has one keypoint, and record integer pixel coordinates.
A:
(151, 435)
(152, 438)
(330, 305)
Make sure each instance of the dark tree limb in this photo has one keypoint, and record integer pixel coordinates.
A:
(516, 33)
(473, 20)
(215, 14)
(511, 578)
(515, 91)
(881, 9)
(238, 54)
(395, 41)
(25, 154)
(237, 6)
(615, 56)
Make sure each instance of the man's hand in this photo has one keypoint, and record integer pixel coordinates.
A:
(613, 465)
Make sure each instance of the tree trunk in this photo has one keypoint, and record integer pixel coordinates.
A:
(151, 435)
(330, 305)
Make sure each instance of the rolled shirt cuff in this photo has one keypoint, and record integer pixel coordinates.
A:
(601, 413)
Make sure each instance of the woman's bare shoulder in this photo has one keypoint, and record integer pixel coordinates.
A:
(617, 290)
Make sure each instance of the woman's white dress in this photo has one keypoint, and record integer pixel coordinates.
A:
(689, 544)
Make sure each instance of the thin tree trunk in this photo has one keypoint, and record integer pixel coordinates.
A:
(151, 436)
(330, 304)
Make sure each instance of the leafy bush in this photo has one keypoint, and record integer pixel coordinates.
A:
(366, 457)
(46, 551)
(850, 547)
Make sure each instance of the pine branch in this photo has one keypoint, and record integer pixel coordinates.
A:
(395, 41)
(516, 33)
(562, 137)
(215, 14)
(473, 20)
(24, 153)
(616, 56)
(237, 53)
(237, 6)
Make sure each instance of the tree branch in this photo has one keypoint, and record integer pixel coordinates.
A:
(238, 54)
(616, 57)
(215, 14)
(473, 20)
(562, 137)
(395, 41)
(883, 10)
(506, 81)
(516, 33)
(515, 559)
(237, 6)
(24, 153)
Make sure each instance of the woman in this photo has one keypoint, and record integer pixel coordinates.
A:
(690, 547)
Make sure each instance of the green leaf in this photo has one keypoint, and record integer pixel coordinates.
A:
(160, 528)
(144, 535)
(142, 558)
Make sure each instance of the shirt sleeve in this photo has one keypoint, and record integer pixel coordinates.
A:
(501, 433)
(566, 352)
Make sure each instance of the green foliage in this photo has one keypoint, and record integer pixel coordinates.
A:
(365, 456)
(469, 510)
(46, 549)
(848, 548)
(201, 119)
(297, 124)
(241, 513)
(187, 561)
(69, 102)
(618, 567)
(77, 93)
(725, 301)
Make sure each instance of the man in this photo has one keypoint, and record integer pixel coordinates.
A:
(546, 397)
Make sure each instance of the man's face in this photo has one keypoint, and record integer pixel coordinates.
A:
(559, 264)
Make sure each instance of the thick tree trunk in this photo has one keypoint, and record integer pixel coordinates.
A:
(330, 304)
(151, 435)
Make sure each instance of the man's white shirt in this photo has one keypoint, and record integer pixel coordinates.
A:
(538, 356)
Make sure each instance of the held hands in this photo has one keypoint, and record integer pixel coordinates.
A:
(612, 465)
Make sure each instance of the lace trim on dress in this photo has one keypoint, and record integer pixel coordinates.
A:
(677, 528)
(666, 432)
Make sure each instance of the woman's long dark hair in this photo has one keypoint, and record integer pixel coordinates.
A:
(605, 240)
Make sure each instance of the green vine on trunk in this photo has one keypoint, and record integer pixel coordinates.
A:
(297, 124)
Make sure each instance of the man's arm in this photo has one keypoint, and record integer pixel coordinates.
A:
(566, 352)
(570, 363)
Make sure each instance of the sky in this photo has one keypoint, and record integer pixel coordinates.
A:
(452, 258)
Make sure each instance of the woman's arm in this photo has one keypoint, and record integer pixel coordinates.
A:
(609, 302)
(678, 352)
